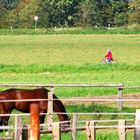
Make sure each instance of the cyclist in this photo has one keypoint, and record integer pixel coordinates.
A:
(108, 56)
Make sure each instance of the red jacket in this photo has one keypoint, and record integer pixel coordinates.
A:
(109, 55)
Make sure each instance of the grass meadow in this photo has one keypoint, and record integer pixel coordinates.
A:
(67, 49)
(73, 58)
(67, 58)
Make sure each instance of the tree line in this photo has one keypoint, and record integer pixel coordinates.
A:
(69, 13)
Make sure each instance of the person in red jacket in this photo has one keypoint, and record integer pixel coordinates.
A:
(108, 56)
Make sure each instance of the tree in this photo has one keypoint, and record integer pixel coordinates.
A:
(134, 12)
(3, 16)
(83, 16)
(22, 15)
(120, 11)
(94, 12)
(60, 12)
(5, 7)
(9, 4)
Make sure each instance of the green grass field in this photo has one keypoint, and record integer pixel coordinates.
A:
(68, 49)
(73, 58)
(69, 59)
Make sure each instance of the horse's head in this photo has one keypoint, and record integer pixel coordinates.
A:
(65, 125)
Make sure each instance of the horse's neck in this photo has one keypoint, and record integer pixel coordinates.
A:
(60, 110)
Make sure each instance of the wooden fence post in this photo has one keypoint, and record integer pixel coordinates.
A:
(56, 132)
(91, 130)
(122, 129)
(74, 125)
(34, 130)
(137, 125)
(88, 130)
(18, 127)
(120, 97)
(50, 108)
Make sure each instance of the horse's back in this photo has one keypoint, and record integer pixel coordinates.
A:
(39, 93)
(25, 94)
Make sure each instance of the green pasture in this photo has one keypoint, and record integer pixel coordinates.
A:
(73, 58)
(68, 49)
(67, 58)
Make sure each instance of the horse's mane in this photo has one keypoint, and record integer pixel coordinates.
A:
(58, 105)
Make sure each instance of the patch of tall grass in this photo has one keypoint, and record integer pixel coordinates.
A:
(78, 30)
(125, 74)
(37, 68)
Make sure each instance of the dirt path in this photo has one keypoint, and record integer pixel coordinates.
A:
(85, 100)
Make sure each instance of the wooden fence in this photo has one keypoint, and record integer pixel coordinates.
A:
(91, 125)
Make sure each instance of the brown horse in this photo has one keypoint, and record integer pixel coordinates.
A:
(23, 94)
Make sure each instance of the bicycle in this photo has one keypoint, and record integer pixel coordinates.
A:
(113, 61)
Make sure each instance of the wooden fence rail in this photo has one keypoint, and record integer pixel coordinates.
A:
(65, 85)
(119, 86)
